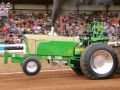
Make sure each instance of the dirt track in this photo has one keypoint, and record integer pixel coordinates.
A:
(59, 80)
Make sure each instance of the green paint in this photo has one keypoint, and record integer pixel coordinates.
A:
(56, 48)
(78, 51)
(16, 58)
(6, 56)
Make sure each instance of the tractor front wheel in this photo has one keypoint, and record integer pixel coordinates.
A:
(99, 61)
(31, 66)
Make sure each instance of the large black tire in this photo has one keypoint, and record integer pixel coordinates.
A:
(77, 68)
(88, 57)
(29, 61)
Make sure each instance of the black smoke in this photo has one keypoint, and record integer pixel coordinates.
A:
(57, 9)
(58, 6)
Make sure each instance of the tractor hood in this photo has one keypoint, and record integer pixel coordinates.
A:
(51, 45)
(50, 38)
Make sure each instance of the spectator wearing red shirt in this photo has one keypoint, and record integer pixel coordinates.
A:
(5, 32)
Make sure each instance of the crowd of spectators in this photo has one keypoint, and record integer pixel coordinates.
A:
(81, 22)
(18, 25)
(73, 24)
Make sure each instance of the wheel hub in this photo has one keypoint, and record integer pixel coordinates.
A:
(101, 62)
(32, 66)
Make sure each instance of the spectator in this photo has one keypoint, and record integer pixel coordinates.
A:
(5, 32)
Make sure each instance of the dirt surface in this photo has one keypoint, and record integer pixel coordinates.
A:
(58, 80)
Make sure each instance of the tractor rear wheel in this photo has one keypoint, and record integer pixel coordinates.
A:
(31, 66)
(99, 61)
(77, 68)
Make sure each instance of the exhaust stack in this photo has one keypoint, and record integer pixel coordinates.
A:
(52, 31)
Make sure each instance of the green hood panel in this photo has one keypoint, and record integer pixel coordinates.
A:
(56, 48)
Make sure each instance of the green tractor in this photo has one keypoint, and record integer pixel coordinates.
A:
(89, 55)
